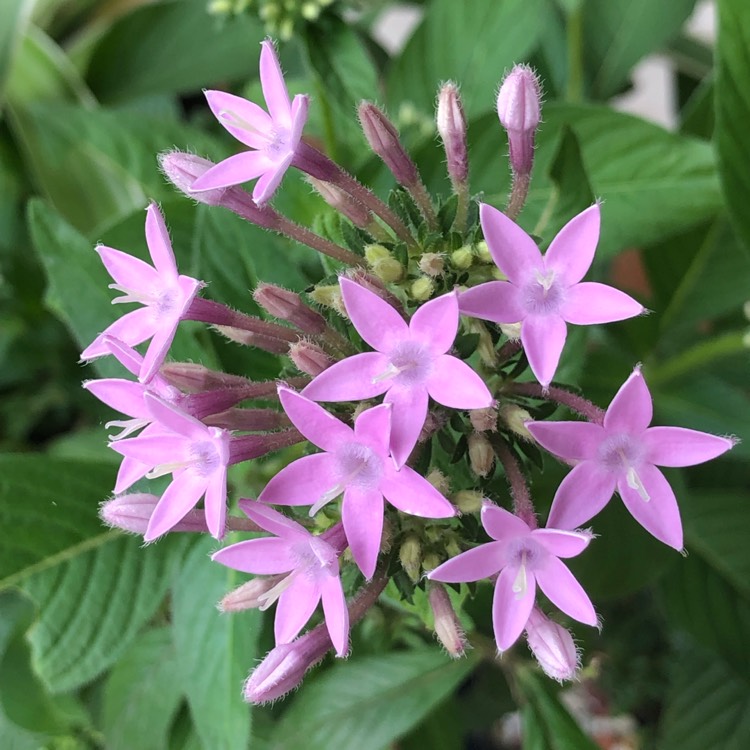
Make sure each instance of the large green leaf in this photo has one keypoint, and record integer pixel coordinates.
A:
(471, 43)
(618, 34)
(15, 16)
(367, 703)
(214, 651)
(733, 110)
(77, 283)
(142, 694)
(172, 46)
(708, 704)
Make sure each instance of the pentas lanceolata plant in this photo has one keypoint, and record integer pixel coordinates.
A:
(390, 487)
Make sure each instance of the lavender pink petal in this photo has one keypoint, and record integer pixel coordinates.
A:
(575, 441)
(679, 446)
(303, 482)
(265, 556)
(497, 301)
(571, 252)
(407, 419)
(631, 409)
(436, 323)
(563, 590)
(362, 516)
(472, 565)
(543, 339)
(510, 612)
(515, 253)
(375, 320)
(581, 495)
(589, 303)
(454, 384)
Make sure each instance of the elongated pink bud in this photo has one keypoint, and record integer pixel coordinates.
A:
(132, 513)
(288, 305)
(552, 646)
(192, 377)
(258, 340)
(248, 420)
(309, 358)
(447, 627)
(451, 125)
(519, 110)
(335, 197)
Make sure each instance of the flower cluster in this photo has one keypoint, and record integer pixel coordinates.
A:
(377, 494)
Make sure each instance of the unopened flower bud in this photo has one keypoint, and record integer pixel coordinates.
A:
(432, 264)
(329, 296)
(481, 455)
(249, 338)
(430, 562)
(288, 305)
(462, 258)
(468, 501)
(384, 140)
(410, 556)
(519, 110)
(192, 377)
(515, 417)
(249, 595)
(511, 330)
(375, 252)
(422, 289)
(431, 425)
(482, 251)
(451, 125)
(447, 627)
(552, 646)
(484, 420)
(183, 169)
(342, 202)
(133, 512)
(383, 264)
(309, 358)
(439, 481)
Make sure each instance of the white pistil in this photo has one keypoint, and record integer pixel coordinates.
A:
(326, 498)
(130, 295)
(520, 583)
(128, 426)
(162, 469)
(390, 372)
(545, 280)
(274, 592)
(233, 119)
(635, 483)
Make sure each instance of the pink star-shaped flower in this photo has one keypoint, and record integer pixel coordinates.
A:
(523, 558)
(197, 456)
(544, 292)
(313, 573)
(163, 292)
(274, 136)
(623, 454)
(410, 363)
(356, 462)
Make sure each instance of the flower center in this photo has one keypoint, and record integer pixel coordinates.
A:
(409, 364)
(542, 295)
(622, 453)
(204, 457)
(278, 145)
(314, 556)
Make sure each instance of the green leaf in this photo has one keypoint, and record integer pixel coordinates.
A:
(142, 694)
(15, 17)
(733, 110)
(471, 43)
(707, 706)
(75, 272)
(214, 651)
(172, 46)
(549, 718)
(617, 35)
(368, 703)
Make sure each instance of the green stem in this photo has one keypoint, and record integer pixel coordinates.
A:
(574, 29)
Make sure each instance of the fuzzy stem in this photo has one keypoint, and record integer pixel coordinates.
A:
(422, 198)
(507, 350)
(518, 192)
(576, 403)
(236, 523)
(215, 313)
(523, 506)
(306, 237)
(462, 207)
(246, 447)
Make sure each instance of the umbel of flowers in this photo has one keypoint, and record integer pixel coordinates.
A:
(417, 343)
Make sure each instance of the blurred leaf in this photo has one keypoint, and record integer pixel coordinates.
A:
(142, 694)
(97, 167)
(41, 72)
(16, 14)
(75, 272)
(708, 705)
(553, 727)
(733, 110)
(57, 519)
(173, 46)
(618, 34)
(471, 43)
(214, 650)
(367, 703)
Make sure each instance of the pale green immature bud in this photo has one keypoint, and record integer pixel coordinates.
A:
(484, 420)
(483, 252)
(383, 264)
(468, 501)
(430, 562)
(422, 289)
(410, 556)
(432, 264)
(447, 627)
(462, 258)
(481, 455)
(515, 417)
(376, 252)
(439, 481)
(329, 296)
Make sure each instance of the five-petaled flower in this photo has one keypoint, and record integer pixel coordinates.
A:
(410, 363)
(312, 567)
(523, 558)
(274, 136)
(623, 454)
(544, 292)
(197, 456)
(164, 293)
(358, 463)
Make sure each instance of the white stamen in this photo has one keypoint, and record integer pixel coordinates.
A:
(162, 469)
(389, 372)
(521, 583)
(326, 498)
(635, 483)
(130, 295)
(233, 119)
(274, 592)
(545, 280)
(128, 427)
